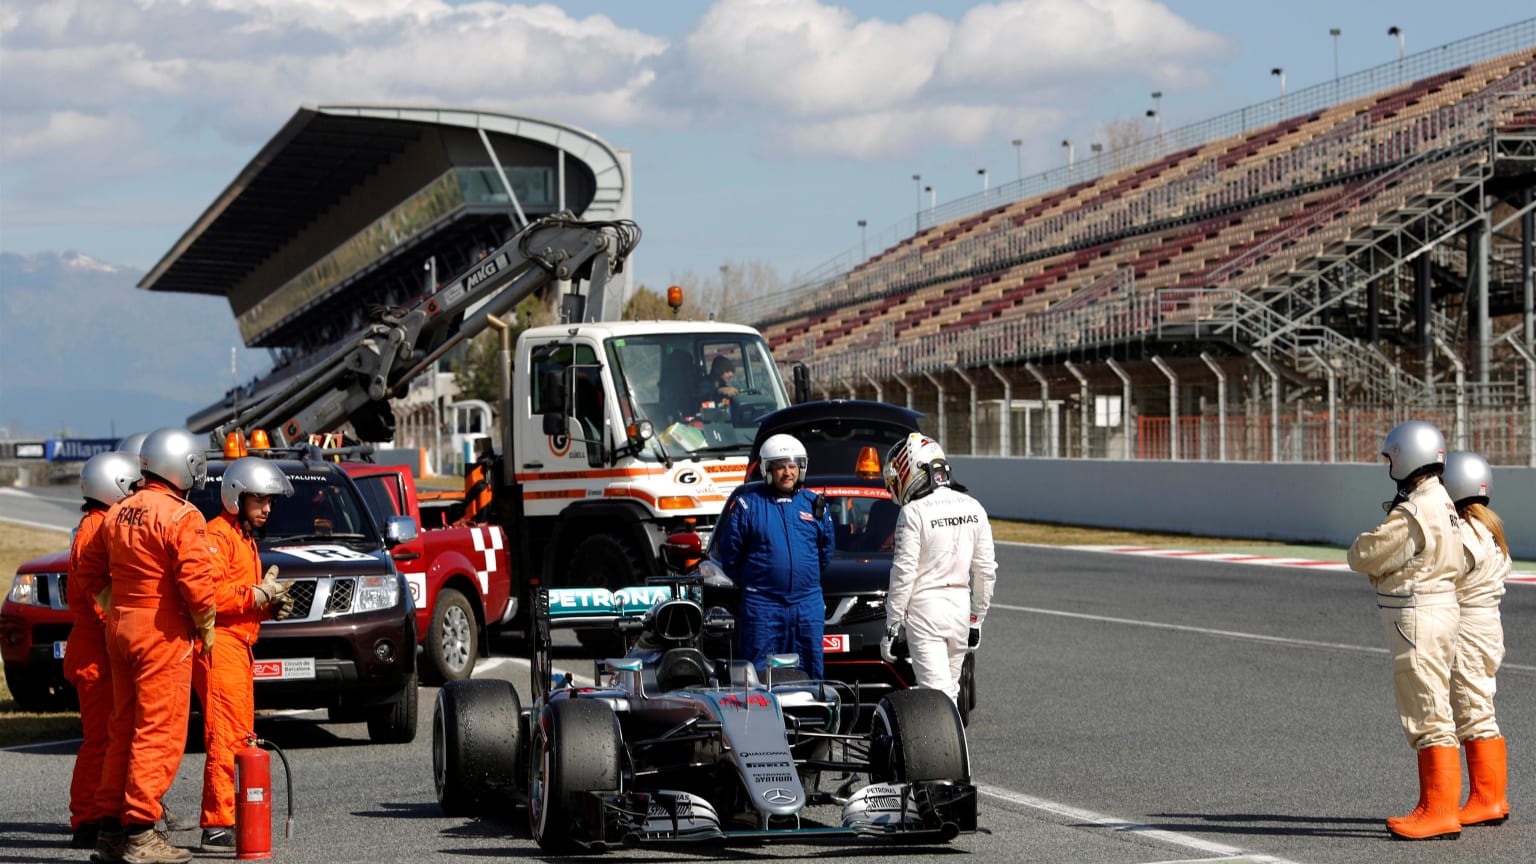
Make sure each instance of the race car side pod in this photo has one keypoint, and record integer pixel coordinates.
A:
(253, 800)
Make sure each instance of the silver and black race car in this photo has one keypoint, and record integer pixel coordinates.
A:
(672, 744)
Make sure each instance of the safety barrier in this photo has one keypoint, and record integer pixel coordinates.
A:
(1297, 503)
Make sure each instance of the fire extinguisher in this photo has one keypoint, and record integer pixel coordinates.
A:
(253, 799)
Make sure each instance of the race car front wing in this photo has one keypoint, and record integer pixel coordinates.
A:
(931, 811)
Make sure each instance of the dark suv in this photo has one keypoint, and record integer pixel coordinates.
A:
(349, 645)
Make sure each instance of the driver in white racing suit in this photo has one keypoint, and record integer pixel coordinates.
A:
(944, 569)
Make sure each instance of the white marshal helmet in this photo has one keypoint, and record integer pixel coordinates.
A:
(175, 456)
(1410, 446)
(914, 467)
(1468, 479)
(108, 478)
(251, 475)
(779, 447)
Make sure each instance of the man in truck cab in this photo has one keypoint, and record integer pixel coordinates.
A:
(716, 390)
(225, 679)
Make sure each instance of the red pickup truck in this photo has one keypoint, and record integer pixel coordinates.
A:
(460, 577)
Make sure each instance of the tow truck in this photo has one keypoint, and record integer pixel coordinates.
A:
(611, 437)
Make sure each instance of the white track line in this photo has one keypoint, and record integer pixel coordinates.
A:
(38, 525)
(1101, 820)
(1227, 634)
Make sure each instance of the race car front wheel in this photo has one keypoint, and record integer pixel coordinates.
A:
(917, 735)
(577, 748)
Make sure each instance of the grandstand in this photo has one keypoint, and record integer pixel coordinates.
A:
(350, 209)
(1284, 282)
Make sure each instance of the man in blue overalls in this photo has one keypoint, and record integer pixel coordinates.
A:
(774, 541)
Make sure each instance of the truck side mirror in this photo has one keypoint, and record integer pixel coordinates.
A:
(555, 423)
(400, 529)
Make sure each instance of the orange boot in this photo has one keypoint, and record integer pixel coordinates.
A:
(1439, 793)
(1488, 770)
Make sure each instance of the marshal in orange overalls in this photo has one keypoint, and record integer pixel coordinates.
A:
(86, 668)
(223, 680)
(153, 547)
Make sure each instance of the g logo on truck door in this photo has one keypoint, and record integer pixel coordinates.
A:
(559, 444)
(686, 477)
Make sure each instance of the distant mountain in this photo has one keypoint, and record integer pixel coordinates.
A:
(83, 351)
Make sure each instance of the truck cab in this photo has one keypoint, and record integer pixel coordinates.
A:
(621, 437)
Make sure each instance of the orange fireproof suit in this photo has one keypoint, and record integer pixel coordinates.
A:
(224, 680)
(153, 548)
(87, 669)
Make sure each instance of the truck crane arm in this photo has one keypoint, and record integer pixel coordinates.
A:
(355, 381)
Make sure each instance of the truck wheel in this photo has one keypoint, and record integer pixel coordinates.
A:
(917, 735)
(30, 691)
(577, 747)
(477, 745)
(453, 639)
(603, 561)
(395, 723)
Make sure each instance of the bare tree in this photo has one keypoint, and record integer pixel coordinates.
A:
(1121, 133)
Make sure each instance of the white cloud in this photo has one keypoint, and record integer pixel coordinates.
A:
(808, 58)
(62, 131)
(1027, 41)
(813, 77)
(842, 86)
(890, 134)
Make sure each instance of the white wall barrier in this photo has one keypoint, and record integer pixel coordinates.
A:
(1292, 502)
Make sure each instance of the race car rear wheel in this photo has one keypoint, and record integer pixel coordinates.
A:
(477, 745)
(577, 747)
(917, 735)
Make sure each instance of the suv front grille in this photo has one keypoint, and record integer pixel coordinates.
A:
(341, 596)
(303, 593)
(60, 599)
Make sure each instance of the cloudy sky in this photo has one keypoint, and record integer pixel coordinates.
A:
(761, 129)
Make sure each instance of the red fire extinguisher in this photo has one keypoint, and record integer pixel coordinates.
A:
(253, 800)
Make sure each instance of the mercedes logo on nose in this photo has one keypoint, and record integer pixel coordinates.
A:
(778, 796)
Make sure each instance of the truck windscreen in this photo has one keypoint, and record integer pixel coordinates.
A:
(701, 391)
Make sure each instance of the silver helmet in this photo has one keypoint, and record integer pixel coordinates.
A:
(132, 444)
(1411, 446)
(108, 478)
(1468, 479)
(175, 456)
(251, 475)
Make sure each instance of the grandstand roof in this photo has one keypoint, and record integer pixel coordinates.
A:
(319, 156)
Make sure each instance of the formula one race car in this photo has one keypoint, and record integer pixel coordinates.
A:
(674, 745)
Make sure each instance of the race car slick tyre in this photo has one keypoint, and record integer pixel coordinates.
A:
(453, 639)
(917, 735)
(395, 723)
(577, 747)
(477, 743)
(603, 561)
